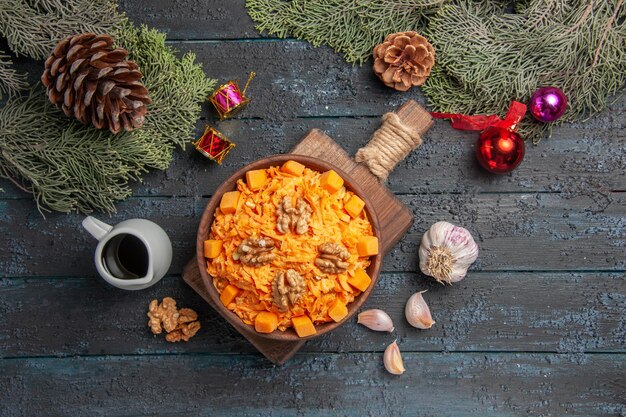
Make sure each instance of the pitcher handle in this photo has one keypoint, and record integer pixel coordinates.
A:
(96, 228)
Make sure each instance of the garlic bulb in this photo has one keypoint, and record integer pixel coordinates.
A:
(376, 320)
(446, 252)
(417, 312)
(393, 359)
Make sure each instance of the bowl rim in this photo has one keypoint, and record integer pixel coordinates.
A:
(229, 184)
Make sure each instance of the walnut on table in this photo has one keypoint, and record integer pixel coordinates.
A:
(179, 324)
(187, 327)
(255, 251)
(293, 218)
(287, 288)
(184, 331)
(186, 315)
(332, 258)
(162, 316)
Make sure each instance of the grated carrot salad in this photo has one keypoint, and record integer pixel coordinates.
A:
(256, 217)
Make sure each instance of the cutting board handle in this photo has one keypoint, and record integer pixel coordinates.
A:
(399, 134)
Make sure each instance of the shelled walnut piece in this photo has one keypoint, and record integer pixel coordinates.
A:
(162, 316)
(332, 258)
(255, 251)
(179, 324)
(287, 288)
(187, 327)
(293, 218)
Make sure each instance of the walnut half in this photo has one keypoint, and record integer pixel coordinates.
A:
(255, 251)
(332, 258)
(162, 316)
(184, 331)
(293, 218)
(287, 288)
(180, 324)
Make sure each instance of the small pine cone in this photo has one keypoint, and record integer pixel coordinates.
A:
(403, 60)
(95, 83)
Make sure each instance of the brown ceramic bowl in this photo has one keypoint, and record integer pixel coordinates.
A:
(230, 185)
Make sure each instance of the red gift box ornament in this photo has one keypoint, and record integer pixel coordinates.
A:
(500, 149)
(213, 145)
(228, 99)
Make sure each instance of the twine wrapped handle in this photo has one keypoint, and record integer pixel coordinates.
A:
(400, 133)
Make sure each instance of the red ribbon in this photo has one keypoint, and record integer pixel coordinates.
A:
(515, 114)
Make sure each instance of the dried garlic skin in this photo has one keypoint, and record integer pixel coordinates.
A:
(376, 320)
(446, 252)
(417, 312)
(392, 359)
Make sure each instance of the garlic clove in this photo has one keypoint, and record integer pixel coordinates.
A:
(375, 319)
(446, 252)
(393, 359)
(417, 312)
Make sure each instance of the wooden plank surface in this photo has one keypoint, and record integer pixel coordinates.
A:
(514, 231)
(444, 163)
(580, 158)
(536, 329)
(563, 312)
(193, 19)
(354, 385)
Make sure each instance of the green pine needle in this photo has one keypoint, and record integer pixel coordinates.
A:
(33, 27)
(352, 27)
(507, 56)
(486, 54)
(73, 167)
(11, 81)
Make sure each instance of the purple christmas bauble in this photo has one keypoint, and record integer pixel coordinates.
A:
(547, 104)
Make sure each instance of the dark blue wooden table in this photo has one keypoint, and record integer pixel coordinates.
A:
(537, 328)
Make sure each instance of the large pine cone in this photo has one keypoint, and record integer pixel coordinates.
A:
(403, 60)
(95, 83)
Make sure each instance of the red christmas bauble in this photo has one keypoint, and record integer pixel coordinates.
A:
(499, 150)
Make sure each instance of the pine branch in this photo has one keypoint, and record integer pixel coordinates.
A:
(486, 56)
(72, 167)
(351, 27)
(33, 27)
(177, 86)
(11, 81)
(497, 58)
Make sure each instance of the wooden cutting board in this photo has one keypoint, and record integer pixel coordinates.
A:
(394, 217)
